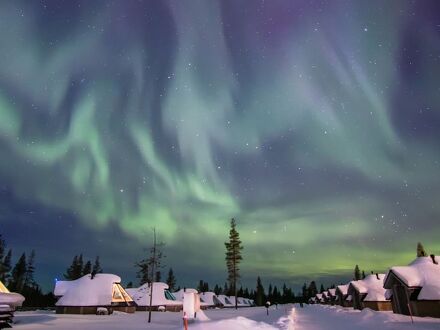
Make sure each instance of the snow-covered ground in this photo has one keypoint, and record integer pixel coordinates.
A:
(319, 317)
(315, 317)
(231, 319)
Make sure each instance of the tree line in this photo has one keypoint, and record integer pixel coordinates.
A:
(20, 277)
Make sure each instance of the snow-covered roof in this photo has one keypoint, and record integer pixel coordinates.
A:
(318, 296)
(325, 294)
(349, 298)
(10, 298)
(61, 287)
(161, 295)
(421, 272)
(243, 301)
(208, 298)
(332, 292)
(343, 288)
(225, 300)
(88, 291)
(372, 285)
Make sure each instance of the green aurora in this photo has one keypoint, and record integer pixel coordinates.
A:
(315, 125)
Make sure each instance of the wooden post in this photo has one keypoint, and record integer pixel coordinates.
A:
(409, 306)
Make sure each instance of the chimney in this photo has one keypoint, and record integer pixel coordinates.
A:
(433, 259)
(377, 276)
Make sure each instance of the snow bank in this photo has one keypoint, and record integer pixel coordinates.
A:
(239, 323)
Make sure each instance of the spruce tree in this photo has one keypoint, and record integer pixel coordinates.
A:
(70, 272)
(171, 280)
(233, 259)
(312, 289)
(97, 269)
(6, 266)
(87, 268)
(259, 293)
(30, 270)
(363, 274)
(357, 273)
(217, 289)
(321, 290)
(79, 267)
(421, 250)
(18, 278)
(158, 276)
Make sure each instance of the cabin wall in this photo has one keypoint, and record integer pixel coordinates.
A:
(378, 305)
(425, 308)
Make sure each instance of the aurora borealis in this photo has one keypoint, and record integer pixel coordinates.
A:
(315, 124)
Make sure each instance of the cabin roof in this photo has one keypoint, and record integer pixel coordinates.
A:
(421, 272)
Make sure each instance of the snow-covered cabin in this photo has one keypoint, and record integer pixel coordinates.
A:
(88, 293)
(8, 302)
(341, 296)
(243, 302)
(332, 296)
(210, 299)
(417, 286)
(369, 293)
(180, 294)
(325, 297)
(161, 297)
(318, 298)
(225, 300)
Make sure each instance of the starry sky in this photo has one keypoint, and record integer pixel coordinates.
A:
(315, 124)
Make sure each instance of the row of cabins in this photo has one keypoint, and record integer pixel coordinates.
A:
(409, 290)
(92, 294)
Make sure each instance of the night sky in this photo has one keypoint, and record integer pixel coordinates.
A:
(315, 124)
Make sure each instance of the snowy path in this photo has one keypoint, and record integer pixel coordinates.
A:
(241, 319)
(316, 317)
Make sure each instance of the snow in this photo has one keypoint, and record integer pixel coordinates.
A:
(86, 291)
(424, 273)
(372, 286)
(320, 317)
(141, 295)
(247, 318)
(313, 317)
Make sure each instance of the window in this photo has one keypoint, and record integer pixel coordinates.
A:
(169, 295)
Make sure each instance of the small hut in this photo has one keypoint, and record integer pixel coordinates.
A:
(210, 300)
(92, 293)
(325, 298)
(369, 293)
(162, 298)
(332, 296)
(415, 289)
(318, 298)
(225, 300)
(341, 296)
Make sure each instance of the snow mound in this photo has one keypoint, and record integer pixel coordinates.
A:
(239, 323)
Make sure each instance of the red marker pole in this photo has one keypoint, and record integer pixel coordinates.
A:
(185, 321)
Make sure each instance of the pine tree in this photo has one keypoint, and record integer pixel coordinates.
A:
(79, 267)
(246, 293)
(363, 274)
(87, 268)
(6, 266)
(312, 289)
(171, 280)
(30, 270)
(217, 289)
(18, 279)
(305, 292)
(276, 295)
(269, 293)
(357, 273)
(129, 285)
(421, 250)
(259, 293)
(97, 269)
(233, 259)
(158, 276)
(70, 272)
(143, 273)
